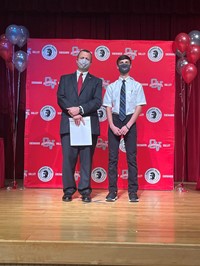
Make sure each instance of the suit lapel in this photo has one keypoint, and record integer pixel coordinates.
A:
(74, 81)
(87, 79)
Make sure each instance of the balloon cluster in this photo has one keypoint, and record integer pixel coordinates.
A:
(187, 48)
(14, 35)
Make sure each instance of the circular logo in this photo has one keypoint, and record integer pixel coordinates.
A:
(102, 53)
(102, 114)
(122, 145)
(99, 175)
(153, 114)
(49, 52)
(152, 176)
(47, 113)
(155, 54)
(45, 174)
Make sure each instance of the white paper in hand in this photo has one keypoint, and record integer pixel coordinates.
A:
(80, 135)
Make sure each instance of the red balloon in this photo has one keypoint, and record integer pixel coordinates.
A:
(174, 47)
(189, 72)
(5, 48)
(193, 53)
(176, 51)
(182, 42)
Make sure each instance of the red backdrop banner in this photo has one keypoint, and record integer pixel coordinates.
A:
(153, 65)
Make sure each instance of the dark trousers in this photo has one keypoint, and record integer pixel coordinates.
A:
(70, 157)
(130, 140)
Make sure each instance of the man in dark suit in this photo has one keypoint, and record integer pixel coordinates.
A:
(77, 103)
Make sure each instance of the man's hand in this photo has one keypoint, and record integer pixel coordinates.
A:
(73, 111)
(78, 119)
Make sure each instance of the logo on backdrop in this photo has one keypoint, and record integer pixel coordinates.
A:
(154, 114)
(122, 145)
(47, 143)
(47, 113)
(102, 114)
(155, 54)
(155, 84)
(105, 83)
(99, 175)
(49, 82)
(101, 144)
(152, 176)
(124, 174)
(75, 50)
(28, 112)
(131, 53)
(49, 52)
(25, 173)
(45, 174)
(153, 144)
(77, 175)
(102, 53)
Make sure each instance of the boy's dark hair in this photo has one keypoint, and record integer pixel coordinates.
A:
(122, 57)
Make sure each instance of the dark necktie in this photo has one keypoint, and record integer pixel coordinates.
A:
(122, 107)
(80, 82)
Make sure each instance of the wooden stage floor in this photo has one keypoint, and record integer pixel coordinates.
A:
(163, 229)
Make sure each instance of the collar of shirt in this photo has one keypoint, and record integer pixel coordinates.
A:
(84, 74)
(127, 78)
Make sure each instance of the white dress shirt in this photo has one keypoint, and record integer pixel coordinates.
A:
(134, 95)
(78, 74)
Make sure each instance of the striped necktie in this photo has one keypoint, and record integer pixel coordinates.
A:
(122, 107)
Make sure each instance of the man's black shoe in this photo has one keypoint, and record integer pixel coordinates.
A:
(111, 197)
(67, 198)
(86, 198)
(133, 197)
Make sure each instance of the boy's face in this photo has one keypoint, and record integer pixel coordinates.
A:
(124, 61)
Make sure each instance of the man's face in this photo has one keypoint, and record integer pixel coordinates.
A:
(84, 55)
(83, 61)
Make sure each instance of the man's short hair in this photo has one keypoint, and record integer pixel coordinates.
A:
(86, 51)
(122, 57)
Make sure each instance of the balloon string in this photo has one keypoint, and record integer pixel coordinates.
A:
(18, 97)
(10, 96)
(16, 127)
(13, 86)
(182, 94)
(188, 104)
(185, 106)
(13, 114)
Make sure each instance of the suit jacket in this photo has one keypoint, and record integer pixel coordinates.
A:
(90, 99)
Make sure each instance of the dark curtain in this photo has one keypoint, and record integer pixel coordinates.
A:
(113, 19)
